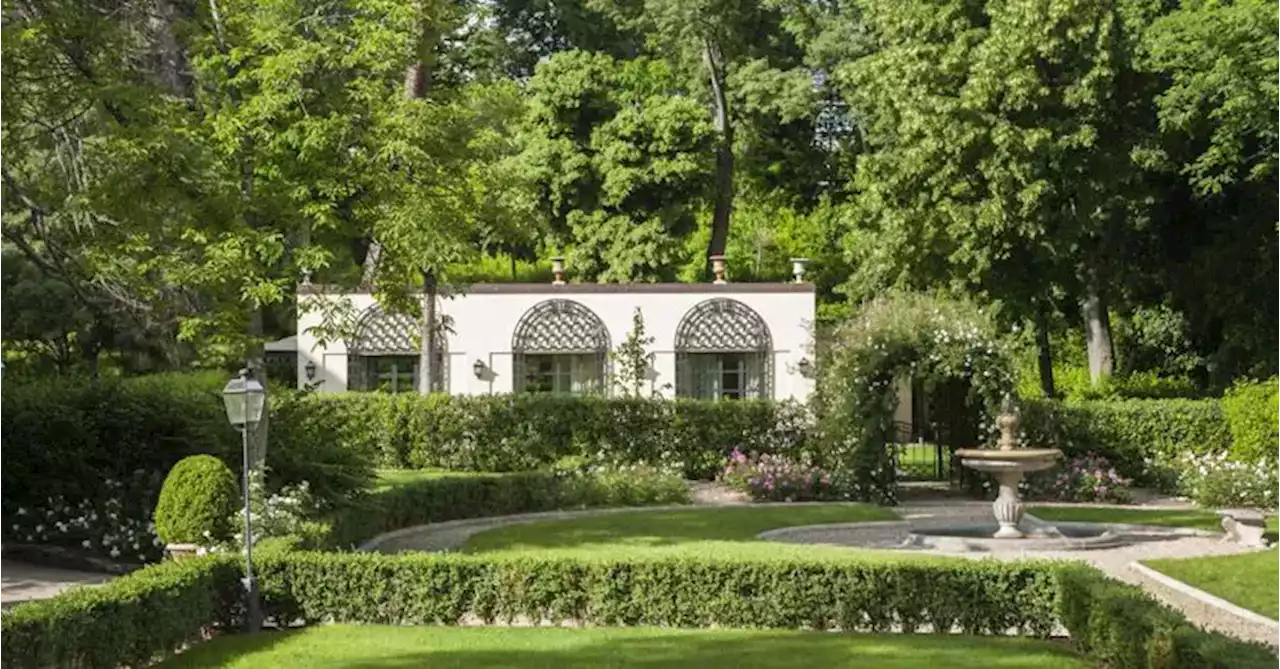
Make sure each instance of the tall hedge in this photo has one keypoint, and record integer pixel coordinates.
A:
(1253, 413)
(504, 433)
(1127, 431)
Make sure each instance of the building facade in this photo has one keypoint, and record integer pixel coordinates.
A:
(710, 341)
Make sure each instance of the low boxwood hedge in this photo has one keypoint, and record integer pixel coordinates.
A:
(151, 613)
(131, 621)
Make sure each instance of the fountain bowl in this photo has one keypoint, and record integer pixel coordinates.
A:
(1009, 460)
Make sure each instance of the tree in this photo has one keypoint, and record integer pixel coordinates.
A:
(718, 43)
(632, 363)
(617, 157)
(1001, 141)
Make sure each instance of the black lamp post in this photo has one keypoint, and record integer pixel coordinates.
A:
(246, 400)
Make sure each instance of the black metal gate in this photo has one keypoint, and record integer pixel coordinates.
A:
(942, 421)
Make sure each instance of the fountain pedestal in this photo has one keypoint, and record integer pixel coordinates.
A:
(1008, 464)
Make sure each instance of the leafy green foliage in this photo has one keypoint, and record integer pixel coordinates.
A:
(1252, 411)
(73, 440)
(980, 597)
(632, 361)
(1133, 434)
(130, 621)
(523, 431)
(913, 336)
(196, 502)
(1119, 625)
(454, 497)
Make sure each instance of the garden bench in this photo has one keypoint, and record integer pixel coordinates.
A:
(1244, 526)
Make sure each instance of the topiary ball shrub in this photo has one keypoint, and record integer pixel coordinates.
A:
(197, 501)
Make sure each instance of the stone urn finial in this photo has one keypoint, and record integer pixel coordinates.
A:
(1008, 424)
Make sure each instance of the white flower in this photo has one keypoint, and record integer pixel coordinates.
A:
(22, 511)
(39, 528)
(86, 543)
(115, 552)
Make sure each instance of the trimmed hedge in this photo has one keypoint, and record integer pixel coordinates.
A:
(1122, 627)
(196, 502)
(504, 433)
(461, 497)
(978, 597)
(146, 615)
(1127, 432)
(131, 621)
(1253, 414)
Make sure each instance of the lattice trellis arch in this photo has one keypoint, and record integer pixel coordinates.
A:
(723, 327)
(379, 332)
(560, 326)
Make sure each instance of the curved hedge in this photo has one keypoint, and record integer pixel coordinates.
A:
(150, 613)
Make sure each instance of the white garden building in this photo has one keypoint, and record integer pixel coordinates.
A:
(711, 341)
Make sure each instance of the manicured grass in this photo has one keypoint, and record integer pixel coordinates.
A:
(1193, 518)
(393, 477)
(919, 461)
(693, 528)
(378, 647)
(1249, 580)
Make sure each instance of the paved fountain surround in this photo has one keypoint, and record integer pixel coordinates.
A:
(965, 527)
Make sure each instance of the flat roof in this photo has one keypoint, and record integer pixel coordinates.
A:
(581, 288)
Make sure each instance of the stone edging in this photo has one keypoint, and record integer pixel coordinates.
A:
(1202, 596)
(783, 531)
(495, 521)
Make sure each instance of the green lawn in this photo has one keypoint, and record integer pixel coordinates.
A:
(1249, 580)
(393, 477)
(696, 529)
(919, 461)
(378, 647)
(1193, 518)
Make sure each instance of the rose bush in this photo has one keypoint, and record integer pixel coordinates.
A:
(1084, 478)
(774, 478)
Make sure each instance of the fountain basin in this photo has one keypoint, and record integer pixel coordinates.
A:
(985, 538)
(1008, 460)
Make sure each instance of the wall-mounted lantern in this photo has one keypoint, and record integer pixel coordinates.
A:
(311, 370)
(478, 368)
(805, 367)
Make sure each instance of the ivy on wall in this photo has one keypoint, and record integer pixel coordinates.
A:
(903, 335)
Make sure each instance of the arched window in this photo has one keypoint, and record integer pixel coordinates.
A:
(384, 353)
(559, 346)
(723, 351)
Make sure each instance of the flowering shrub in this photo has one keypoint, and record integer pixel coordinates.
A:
(1214, 480)
(776, 479)
(1085, 478)
(288, 512)
(104, 528)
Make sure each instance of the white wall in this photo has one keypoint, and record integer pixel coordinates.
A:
(485, 318)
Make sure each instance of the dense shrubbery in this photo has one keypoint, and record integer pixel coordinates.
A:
(196, 501)
(1131, 434)
(1120, 626)
(521, 432)
(1215, 480)
(148, 614)
(131, 621)
(774, 478)
(1084, 478)
(112, 526)
(457, 497)
(978, 597)
(1252, 411)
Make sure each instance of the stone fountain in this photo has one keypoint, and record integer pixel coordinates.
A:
(1009, 464)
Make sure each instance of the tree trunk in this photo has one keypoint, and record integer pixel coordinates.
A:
(170, 58)
(426, 357)
(1046, 352)
(724, 151)
(1097, 333)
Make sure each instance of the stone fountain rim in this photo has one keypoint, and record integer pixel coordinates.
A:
(1011, 454)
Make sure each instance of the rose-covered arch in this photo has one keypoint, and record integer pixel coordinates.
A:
(903, 335)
